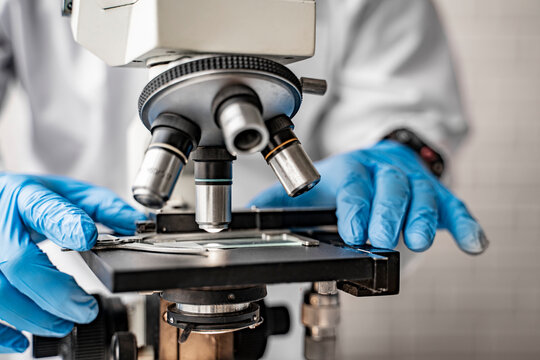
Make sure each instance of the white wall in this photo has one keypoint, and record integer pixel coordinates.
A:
(487, 307)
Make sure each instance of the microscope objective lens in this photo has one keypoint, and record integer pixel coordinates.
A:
(287, 158)
(238, 112)
(173, 138)
(213, 188)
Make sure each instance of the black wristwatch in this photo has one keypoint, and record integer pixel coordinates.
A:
(432, 158)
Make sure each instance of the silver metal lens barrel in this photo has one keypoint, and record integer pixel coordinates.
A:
(294, 169)
(173, 139)
(213, 183)
(157, 176)
(243, 127)
(213, 208)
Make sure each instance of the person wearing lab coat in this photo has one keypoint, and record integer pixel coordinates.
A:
(388, 67)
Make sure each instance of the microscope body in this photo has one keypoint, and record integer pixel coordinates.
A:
(140, 32)
(219, 88)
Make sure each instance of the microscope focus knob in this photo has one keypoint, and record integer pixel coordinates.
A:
(124, 346)
(87, 341)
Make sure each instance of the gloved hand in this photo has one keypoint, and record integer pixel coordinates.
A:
(34, 295)
(380, 192)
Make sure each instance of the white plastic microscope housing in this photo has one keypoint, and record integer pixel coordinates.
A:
(131, 32)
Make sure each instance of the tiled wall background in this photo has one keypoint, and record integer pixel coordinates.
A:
(456, 306)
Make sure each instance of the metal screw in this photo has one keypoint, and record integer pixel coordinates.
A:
(67, 8)
(231, 297)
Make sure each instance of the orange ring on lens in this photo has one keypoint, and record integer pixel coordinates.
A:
(279, 146)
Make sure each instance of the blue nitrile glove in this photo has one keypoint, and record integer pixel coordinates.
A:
(380, 192)
(34, 295)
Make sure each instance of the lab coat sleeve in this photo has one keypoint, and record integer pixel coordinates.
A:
(6, 59)
(394, 71)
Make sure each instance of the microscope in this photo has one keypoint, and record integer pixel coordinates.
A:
(219, 88)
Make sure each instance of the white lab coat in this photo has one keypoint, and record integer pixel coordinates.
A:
(387, 64)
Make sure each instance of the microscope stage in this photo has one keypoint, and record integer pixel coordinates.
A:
(239, 257)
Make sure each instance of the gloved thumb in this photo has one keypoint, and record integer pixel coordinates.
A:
(12, 340)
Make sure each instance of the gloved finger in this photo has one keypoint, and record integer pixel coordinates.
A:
(12, 340)
(21, 312)
(102, 204)
(353, 207)
(464, 228)
(29, 270)
(422, 219)
(50, 214)
(389, 206)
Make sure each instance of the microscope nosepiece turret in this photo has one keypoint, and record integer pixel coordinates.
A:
(236, 105)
